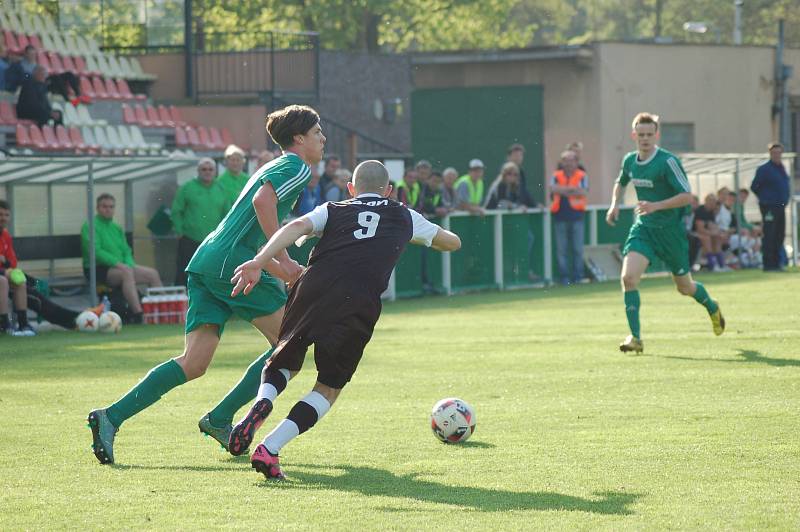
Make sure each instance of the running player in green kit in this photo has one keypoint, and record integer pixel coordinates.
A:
(663, 191)
(266, 199)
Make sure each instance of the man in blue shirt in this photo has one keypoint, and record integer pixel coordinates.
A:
(771, 186)
(311, 196)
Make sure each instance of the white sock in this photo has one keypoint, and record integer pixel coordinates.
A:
(288, 429)
(268, 391)
(285, 432)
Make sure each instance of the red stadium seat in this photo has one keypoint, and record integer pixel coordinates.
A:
(193, 138)
(35, 42)
(50, 139)
(180, 137)
(37, 140)
(42, 59)
(63, 138)
(11, 42)
(152, 116)
(7, 115)
(141, 116)
(204, 138)
(23, 139)
(99, 89)
(69, 65)
(227, 138)
(22, 41)
(216, 139)
(125, 91)
(128, 116)
(163, 114)
(86, 87)
(111, 89)
(76, 138)
(80, 64)
(176, 116)
(55, 63)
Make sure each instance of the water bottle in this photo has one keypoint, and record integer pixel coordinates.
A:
(106, 304)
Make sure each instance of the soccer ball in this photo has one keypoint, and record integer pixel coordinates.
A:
(110, 322)
(87, 321)
(452, 420)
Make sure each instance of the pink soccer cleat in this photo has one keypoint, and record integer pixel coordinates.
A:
(243, 433)
(266, 463)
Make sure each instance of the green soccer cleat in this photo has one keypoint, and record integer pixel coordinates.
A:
(717, 321)
(632, 343)
(221, 434)
(103, 432)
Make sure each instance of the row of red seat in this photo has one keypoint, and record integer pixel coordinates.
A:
(16, 42)
(49, 138)
(108, 89)
(8, 115)
(149, 116)
(203, 138)
(56, 63)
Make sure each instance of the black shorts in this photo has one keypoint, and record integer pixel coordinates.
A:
(340, 328)
(101, 274)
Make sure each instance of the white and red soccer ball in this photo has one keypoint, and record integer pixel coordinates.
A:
(452, 420)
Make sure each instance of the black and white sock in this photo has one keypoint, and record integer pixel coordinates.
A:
(274, 383)
(302, 417)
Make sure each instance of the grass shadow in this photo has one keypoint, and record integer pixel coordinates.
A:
(372, 481)
(205, 469)
(746, 355)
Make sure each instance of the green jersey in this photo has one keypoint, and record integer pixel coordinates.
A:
(656, 179)
(238, 236)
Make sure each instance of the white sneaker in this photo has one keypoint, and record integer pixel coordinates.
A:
(24, 331)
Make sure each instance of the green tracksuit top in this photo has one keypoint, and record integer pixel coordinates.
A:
(198, 208)
(110, 245)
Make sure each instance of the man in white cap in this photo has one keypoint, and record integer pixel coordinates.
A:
(469, 189)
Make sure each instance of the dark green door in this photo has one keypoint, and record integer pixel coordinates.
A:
(453, 125)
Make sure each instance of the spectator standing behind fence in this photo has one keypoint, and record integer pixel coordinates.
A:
(11, 280)
(449, 178)
(337, 191)
(568, 188)
(771, 186)
(507, 192)
(469, 189)
(432, 203)
(332, 163)
(516, 155)
(114, 257)
(199, 206)
(424, 171)
(233, 179)
(311, 196)
(409, 190)
(33, 103)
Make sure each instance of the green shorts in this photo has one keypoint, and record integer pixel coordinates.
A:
(210, 301)
(669, 244)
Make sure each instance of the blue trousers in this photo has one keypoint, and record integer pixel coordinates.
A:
(569, 241)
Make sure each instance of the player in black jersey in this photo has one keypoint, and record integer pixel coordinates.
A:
(334, 304)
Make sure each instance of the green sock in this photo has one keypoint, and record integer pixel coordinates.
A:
(241, 394)
(702, 297)
(156, 383)
(632, 312)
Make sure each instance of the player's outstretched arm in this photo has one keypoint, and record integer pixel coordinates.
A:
(445, 241)
(247, 275)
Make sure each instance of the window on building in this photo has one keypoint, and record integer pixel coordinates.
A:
(678, 138)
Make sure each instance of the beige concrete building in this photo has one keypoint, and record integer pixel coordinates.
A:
(710, 98)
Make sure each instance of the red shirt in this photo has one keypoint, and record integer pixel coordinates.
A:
(7, 250)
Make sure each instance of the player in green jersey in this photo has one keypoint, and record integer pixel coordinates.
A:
(663, 192)
(265, 200)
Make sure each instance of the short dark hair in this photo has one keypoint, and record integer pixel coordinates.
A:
(330, 158)
(105, 196)
(284, 124)
(516, 147)
(4, 205)
(30, 47)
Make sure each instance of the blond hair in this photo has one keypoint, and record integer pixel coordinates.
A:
(645, 118)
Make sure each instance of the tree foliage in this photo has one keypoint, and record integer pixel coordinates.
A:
(425, 25)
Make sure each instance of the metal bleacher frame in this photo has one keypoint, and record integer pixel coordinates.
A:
(84, 172)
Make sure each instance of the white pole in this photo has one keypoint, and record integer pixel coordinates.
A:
(547, 244)
(498, 250)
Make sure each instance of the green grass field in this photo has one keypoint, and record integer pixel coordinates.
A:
(698, 433)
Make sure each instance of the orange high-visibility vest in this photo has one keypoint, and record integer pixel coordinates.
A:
(577, 203)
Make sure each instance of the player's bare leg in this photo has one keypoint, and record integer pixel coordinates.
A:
(633, 267)
(688, 287)
(303, 415)
(218, 423)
